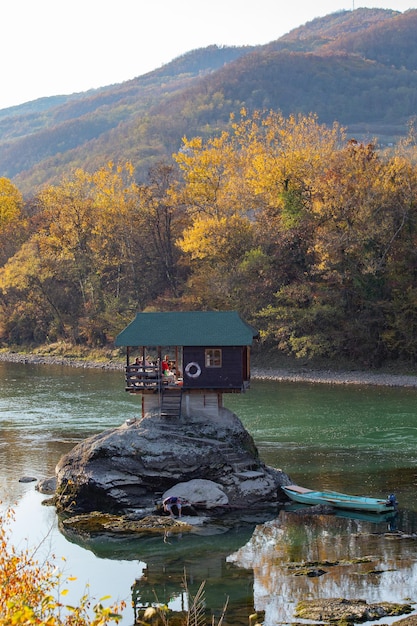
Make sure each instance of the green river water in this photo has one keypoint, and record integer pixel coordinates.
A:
(355, 439)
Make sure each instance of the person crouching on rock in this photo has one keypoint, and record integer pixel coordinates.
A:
(168, 503)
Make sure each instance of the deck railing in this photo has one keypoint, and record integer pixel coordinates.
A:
(139, 377)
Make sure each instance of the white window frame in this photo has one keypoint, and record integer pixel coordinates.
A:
(213, 357)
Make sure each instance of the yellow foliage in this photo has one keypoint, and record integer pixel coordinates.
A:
(11, 202)
(23, 268)
(362, 206)
(27, 591)
(247, 170)
(279, 149)
(211, 173)
(83, 214)
(217, 238)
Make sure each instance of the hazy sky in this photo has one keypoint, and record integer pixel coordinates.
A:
(51, 47)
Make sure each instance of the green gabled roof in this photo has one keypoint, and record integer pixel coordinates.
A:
(187, 328)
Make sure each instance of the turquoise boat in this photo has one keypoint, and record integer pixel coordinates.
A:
(340, 500)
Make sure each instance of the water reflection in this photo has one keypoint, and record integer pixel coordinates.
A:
(201, 558)
(360, 560)
(224, 584)
(268, 567)
(354, 440)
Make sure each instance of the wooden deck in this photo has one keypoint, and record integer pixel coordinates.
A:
(148, 378)
(140, 378)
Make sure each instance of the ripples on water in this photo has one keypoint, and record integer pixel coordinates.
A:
(356, 439)
(347, 432)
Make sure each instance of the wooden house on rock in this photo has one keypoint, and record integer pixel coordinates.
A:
(183, 362)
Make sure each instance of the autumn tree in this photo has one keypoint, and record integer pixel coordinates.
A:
(284, 158)
(33, 592)
(218, 231)
(11, 202)
(71, 270)
(103, 248)
(364, 220)
(310, 237)
(12, 220)
(248, 197)
(162, 225)
(398, 257)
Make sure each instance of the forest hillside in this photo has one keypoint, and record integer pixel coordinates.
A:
(310, 235)
(230, 179)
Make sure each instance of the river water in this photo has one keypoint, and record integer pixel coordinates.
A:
(354, 439)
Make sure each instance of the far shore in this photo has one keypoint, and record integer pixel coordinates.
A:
(329, 377)
(293, 374)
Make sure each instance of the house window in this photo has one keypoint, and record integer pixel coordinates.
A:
(213, 357)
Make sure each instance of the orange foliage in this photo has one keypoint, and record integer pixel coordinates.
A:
(30, 592)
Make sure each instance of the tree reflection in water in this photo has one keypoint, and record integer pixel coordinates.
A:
(264, 567)
(163, 581)
(202, 558)
(359, 557)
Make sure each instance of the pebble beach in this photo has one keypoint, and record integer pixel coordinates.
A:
(302, 374)
(328, 377)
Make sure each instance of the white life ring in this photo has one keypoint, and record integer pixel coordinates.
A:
(193, 366)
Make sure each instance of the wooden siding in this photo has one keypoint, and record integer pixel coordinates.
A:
(228, 376)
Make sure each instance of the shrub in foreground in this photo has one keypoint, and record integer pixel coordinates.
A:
(34, 593)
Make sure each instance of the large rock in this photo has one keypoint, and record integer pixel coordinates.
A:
(199, 492)
(133, 465)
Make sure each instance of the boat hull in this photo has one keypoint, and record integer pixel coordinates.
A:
(338, 500)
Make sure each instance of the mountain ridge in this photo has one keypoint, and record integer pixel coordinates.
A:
(335, 66)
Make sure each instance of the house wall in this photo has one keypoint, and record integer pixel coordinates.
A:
(207, 404)
(151, 403)
(228, 376)
(201, 404)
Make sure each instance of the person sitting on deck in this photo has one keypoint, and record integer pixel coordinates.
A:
(141, 370)
(171, 501)
(165, 366)
(140, 362)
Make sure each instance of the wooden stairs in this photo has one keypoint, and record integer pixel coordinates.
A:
(171, 402)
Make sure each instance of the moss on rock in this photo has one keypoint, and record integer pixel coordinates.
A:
(343, 611)
(97, 522)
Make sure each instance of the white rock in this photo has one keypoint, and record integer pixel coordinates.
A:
(199, 491)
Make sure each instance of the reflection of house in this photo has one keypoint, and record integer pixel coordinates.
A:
(209, 354)
(225, 585)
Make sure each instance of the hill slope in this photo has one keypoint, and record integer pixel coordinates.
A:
(356, 67)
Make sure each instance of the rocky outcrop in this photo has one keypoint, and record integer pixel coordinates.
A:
(132, 466)
(98, 523)
(46, 486)
(343, 611)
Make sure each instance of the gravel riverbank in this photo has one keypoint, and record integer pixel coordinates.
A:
(328, 377)
(306, 375)
(36, 359)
